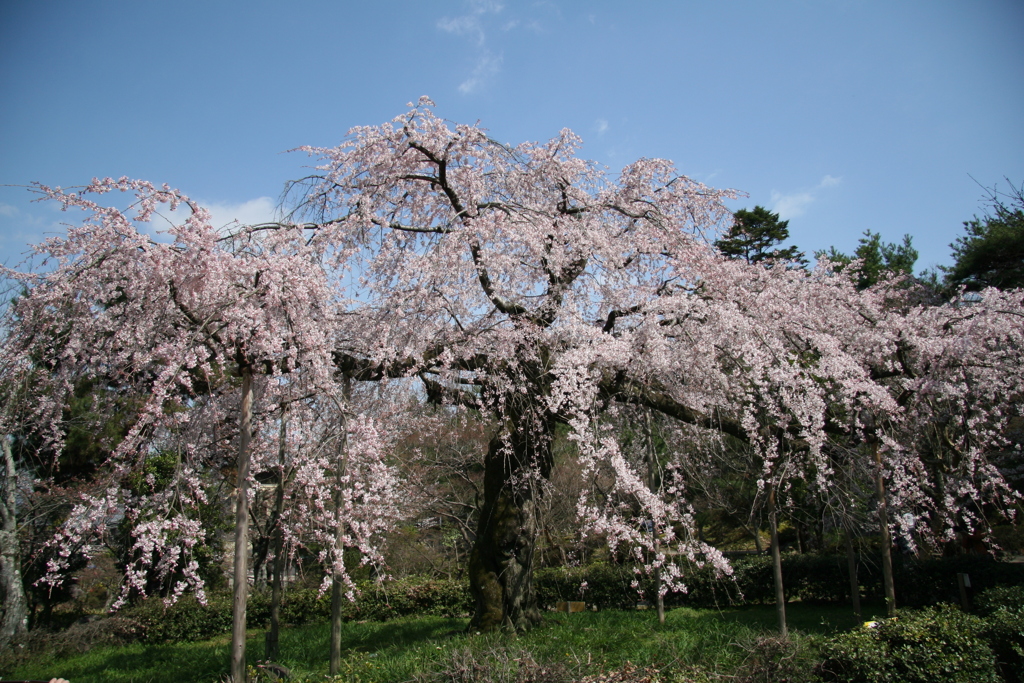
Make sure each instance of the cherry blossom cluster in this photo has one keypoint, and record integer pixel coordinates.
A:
(521, 281)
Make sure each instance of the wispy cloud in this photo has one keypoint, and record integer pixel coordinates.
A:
(473, 26)
(601, 125)
(223, 215)
(252, 212)
(487, 66)
(791, 205)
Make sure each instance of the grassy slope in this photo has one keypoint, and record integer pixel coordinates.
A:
(584, 643)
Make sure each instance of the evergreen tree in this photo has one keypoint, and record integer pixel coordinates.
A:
(877, 259)
(753, 236)
(991, 254)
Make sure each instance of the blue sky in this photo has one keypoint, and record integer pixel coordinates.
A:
(842, 115)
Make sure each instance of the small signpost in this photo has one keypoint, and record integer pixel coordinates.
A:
(571, 606)
(964, 581)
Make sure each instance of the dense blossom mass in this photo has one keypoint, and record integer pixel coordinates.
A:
(171, 322)
(522, 282)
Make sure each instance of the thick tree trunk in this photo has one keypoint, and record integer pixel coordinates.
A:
(883, 526)
(501, 562)
(12, 590)
(337, 596)
(241, 571)
(780, 593)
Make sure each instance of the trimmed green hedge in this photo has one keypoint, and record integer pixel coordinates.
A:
(810, 578)
(807, 577)
(187, 620)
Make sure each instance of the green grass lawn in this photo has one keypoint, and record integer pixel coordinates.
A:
(438, 649)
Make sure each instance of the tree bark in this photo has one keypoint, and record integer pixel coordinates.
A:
(756, 533)
(883, 525)
(12, 590)
(337, 580)
(271, 649)
(337, 595)
(653, 485)
(780, 593)
(241, 578)
(851, 567)
(501, 561)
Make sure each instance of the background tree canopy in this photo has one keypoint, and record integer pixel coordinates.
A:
(991, 254)
(753, 235)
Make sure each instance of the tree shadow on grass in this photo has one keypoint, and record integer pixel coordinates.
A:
(136, 664)
(302, 648)
(308, 647)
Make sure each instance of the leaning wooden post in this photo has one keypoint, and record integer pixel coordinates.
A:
(241, 569)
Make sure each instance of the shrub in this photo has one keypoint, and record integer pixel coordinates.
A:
(1000, 597)
(410, 596)
(607, 586)
(928, 581)
(185, 620)
(78, 638)
(1004, 631)
(773, 659)
(935, 644)
(1003, 608)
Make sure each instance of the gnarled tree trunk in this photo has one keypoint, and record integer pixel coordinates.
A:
(501, 562)
(15, 611)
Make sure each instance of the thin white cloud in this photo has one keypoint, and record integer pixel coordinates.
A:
(463, 26)
(601, 125)
(473, 25)
(223, 215)
(8, 210)
(252, 212)
(487, 66)
(795, 204)
(790, 205)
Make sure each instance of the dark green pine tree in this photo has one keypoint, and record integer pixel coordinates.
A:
(991, 254)
(755, 237)
(878, 259)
